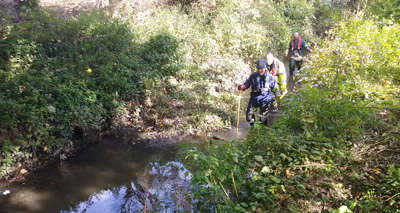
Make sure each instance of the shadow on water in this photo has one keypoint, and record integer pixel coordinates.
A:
(115, 176)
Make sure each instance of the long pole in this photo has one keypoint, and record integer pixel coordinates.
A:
(238, 112)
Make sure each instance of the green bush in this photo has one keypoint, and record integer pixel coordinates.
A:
(62, 78)
(160, 56)
(326, 125)
(384, 9)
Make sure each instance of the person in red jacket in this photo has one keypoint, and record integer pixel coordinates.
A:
(295, 52)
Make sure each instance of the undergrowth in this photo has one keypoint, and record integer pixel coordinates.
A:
(167, 70)
(336, 146)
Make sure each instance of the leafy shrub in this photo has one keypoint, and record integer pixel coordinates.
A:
(322, 126)
(62, 77)
(384, 9)
(159, 55)
(392, 185)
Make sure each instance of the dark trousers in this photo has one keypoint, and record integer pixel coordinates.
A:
(293, 64)
(263, 113)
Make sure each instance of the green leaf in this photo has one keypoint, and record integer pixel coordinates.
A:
(244, 204)
(265, 170)
(235, 159)
(308, 134)
(342, 209)
(258, 158)
(275, 179)
(203, 189)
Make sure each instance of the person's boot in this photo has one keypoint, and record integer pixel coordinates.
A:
(251, 122)
(274, 107)
(264, 120)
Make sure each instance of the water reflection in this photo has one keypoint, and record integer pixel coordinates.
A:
(111, 176)
(160, 188)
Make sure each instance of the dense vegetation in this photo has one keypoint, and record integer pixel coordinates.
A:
(167, 70)
(336, 147)
(172, 69)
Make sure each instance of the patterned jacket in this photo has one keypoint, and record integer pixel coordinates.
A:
(262, 88)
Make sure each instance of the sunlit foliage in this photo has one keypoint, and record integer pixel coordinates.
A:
(333, 148)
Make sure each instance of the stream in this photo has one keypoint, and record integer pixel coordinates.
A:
(109, 176)
(114, 176)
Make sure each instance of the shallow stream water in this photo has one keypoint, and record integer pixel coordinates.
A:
(110, 176)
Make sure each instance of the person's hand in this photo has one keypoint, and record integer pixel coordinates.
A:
(241, 87)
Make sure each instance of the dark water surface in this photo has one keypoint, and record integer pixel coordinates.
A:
(110, 176)
(114, 176)
(106, 177)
